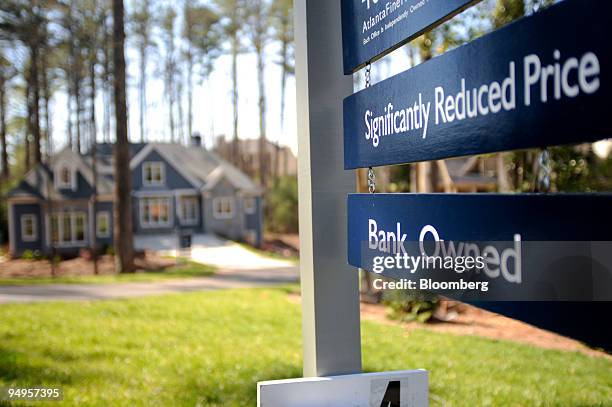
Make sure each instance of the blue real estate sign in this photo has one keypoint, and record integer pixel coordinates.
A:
(493, 247)
(372, 28)
(543, 80)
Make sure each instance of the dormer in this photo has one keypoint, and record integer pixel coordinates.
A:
(153, 174)
(65, 177)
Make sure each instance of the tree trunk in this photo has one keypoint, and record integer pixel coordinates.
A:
(30, 124)
(284, 62)
(444, 176)
(171, 111)
(124, 243)
(94, 142)
(69, 128)
(263, 170)
(503, 180)
(35, 88)
(6, 172)
(235, 149)
(77, 100)
(143, 89)
(189, 95)
(106, 83)
(424, 177)
(179, 111)
(47, 99)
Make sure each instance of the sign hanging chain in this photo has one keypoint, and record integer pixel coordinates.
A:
(371, 174)
(544, 171)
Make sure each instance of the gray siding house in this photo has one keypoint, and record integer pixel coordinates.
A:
(177, 190)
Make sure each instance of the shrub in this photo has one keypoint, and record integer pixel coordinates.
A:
(282, 206)
(27, 255)
(410, 306)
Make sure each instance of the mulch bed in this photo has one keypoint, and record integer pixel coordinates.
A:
(79, 266)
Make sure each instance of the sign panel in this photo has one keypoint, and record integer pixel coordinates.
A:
(373, 28)
(543, 80)
(486, 247)
(386, 389)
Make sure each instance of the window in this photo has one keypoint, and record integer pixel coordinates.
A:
(153, 174)
(223, 208)
(249, 205)
(68, 228)
(29, 228)
(155, 212)
(65, 178)
(189, 210)
(103, 224)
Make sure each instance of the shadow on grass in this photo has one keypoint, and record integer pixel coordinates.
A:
(236, 390)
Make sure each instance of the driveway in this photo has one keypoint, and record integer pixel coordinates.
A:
(238, 267)
(209, 249)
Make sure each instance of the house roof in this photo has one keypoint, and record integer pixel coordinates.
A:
(203, 169)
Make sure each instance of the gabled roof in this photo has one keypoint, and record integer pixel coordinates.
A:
(203, 169)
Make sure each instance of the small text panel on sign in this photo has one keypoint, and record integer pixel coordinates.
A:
(407, 388)
(373, 28)
(543, 80)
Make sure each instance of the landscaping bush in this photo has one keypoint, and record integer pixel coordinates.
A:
(410, 306)
(32, 255)
(282, 206)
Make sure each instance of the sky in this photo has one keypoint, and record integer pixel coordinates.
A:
(212, 107)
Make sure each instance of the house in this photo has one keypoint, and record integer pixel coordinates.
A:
(176, 190)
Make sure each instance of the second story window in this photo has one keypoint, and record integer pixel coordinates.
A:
(65, 178)
(153, 174)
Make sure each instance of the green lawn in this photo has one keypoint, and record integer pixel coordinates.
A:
(185, 269)
(211, 348)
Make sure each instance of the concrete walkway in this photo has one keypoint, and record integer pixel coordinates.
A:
(225, 279)
(212, 250)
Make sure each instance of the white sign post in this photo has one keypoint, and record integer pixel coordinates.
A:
(330, 287)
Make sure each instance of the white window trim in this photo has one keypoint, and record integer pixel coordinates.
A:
(34, 236)
(185, 221)
(250, 210)
(106, 215)
(162, 172)
(158, 225)
(60, 225)
(228, 215)
(58, 178)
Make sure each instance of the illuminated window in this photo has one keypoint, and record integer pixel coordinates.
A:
(155, 212)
